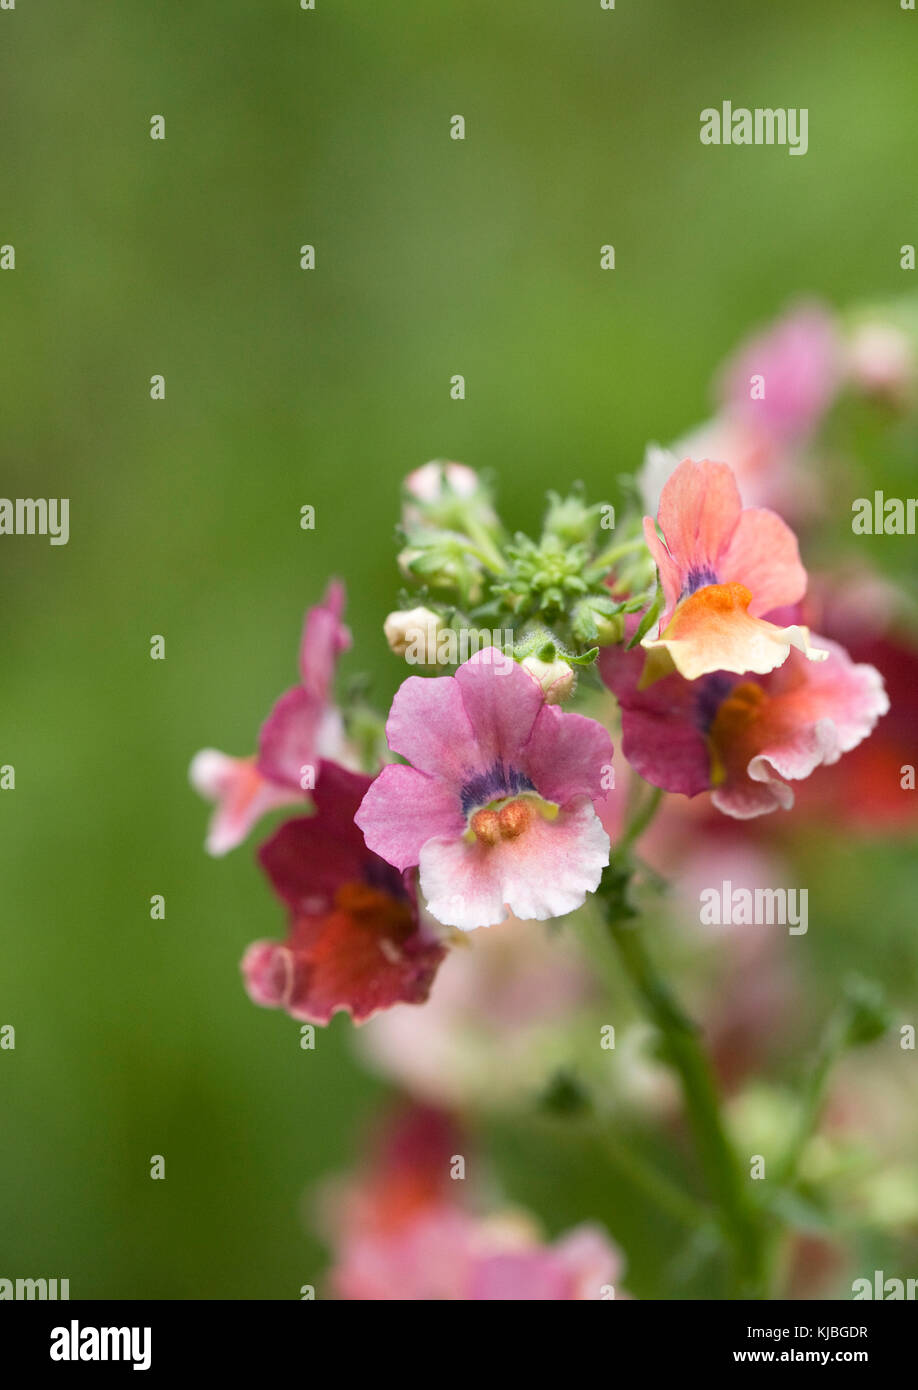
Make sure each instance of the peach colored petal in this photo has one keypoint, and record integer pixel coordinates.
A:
(712, 630)
(764, 557)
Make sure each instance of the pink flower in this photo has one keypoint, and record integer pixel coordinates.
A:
(578, 1266)
(242, 795)
(774, 393)
(721, 568)
(743, 739)
(497, 805)
(303, 725)
(783, 381)
(302, 728)
(402, 1230)
(355, 940)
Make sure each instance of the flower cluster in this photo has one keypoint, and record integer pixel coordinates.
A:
(487, 797)
(486, 805)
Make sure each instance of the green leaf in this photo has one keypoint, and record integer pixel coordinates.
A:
(649, 618)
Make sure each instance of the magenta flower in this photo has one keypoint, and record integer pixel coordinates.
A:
(355, 940)
(722, 568)
(497, 805)
(743, 740)
(302, 728)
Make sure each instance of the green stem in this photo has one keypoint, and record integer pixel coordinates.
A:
(654, 1184)
(607, 559)
(485, 549)
(814, 1094)
(741, 1222)
(639, 821)
(684, 1052)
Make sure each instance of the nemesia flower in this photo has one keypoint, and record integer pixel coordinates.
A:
(241, 793)
(869, 794)
(797, 366)
(768, 472)
(722, 568)
(403, 1230)
(743, 739)
(355, 940)
(301, 728)
(497, 805)
(767, 438)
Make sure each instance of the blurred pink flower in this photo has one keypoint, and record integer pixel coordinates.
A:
(767, 441)
(506, 1009)
(497, 806)
(784, 380)
(403, 1230)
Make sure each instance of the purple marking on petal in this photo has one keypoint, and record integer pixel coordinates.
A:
(711, 693)
(499, 781)
(699, 577)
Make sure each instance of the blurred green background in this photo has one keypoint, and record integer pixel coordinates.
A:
(284, 387)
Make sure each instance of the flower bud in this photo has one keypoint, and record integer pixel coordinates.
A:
(443, 493)
(556, 678)
(429, 482)
(881, 361)
(413, 634)
(610, 629)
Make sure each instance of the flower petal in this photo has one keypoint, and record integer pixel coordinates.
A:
(403, 809)
(764, 557)
(712, 630)
(567, 755)
(806, 716)
(309, 857)
(366, 955)
(501, 701)
(699, 509)
(288, 739)
(662, 725)
(324, 639)
(242, 795)
(546, 872)
(429, 726)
